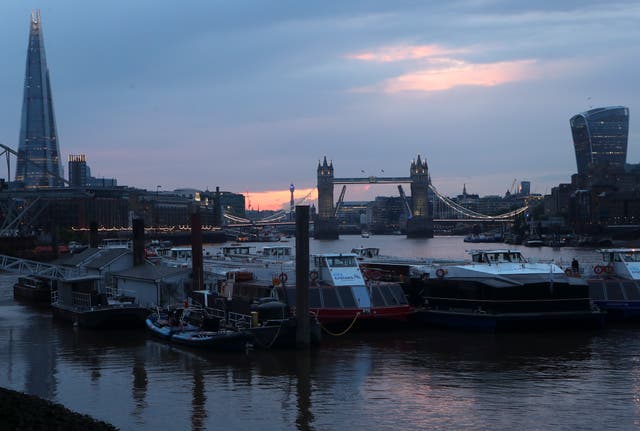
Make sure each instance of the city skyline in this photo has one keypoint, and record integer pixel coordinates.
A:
(249, 97)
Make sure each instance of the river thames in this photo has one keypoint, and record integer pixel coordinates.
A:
(396, 380)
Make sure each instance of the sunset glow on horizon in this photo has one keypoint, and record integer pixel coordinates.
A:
(275, 200)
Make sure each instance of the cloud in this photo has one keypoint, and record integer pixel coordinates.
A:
(484, 75)
(279, 199)
(402, 53)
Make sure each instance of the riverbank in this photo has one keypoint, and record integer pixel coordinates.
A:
(26, 412)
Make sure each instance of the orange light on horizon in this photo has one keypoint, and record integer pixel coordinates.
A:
(275, 200)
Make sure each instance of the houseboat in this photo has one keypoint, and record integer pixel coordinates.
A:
(81, 301)
(501, 290)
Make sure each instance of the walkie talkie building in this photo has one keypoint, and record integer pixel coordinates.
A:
(600, 137)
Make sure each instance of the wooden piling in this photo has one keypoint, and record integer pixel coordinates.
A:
(196, 252)
(302, 276)
(138, 241)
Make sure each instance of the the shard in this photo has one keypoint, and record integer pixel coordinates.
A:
(38, 163)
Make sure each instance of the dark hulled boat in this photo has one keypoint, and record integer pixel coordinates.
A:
(32, 290)
(500, 290)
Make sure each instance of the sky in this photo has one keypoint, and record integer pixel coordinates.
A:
(250, 95)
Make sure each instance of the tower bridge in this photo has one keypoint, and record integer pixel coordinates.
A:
(419, 222)
(419, 217)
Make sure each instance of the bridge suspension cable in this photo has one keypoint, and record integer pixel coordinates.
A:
(473, 214)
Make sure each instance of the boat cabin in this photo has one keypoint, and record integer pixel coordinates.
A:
(278, 252)
(366, 252)
(180, 253)
(237, 251)
(625, 262)
(497, 256)
(338, 269)
(116, 243)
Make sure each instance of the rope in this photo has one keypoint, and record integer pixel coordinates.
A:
(343, 332)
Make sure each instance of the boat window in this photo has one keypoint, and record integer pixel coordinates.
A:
(341, 261)
(632, 257)
(330, 297)
(388, 295)
(477, 258)
(346, 296)
(398, 293)
(617, 257)
(377, 300)
(631, 290)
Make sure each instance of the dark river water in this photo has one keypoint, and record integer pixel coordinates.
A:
(396, 380)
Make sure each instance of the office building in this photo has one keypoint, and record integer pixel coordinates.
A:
(38, 163)
(600, 137)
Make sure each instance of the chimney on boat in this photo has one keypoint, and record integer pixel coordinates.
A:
(196, 251)
(138, 241)
(93, 235)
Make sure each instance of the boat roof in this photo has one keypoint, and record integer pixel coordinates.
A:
(499, 250)
(619, 250)
(335, 255)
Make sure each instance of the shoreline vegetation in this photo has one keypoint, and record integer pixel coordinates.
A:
(20, 411)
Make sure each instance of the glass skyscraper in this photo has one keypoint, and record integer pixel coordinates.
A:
(39, 163)
(600, 136)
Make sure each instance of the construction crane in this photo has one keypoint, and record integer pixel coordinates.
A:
(512, 189)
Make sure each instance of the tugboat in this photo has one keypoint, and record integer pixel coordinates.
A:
(500, 290)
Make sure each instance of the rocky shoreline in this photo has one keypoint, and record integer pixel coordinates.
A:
(20, 411)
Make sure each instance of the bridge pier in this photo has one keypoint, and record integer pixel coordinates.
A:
(420, 227)
(325, 228)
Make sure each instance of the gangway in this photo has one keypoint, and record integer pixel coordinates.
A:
(20, 266)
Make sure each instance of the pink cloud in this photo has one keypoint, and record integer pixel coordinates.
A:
(401, 53)
(484, 75)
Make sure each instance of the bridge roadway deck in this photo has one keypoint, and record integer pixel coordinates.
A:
(372, 180)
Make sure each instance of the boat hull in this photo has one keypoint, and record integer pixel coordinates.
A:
(222, 340)
(467, 320)
(125, 316)
(38, 296)
(620, 298)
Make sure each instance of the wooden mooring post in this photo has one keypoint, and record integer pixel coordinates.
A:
(302, 276)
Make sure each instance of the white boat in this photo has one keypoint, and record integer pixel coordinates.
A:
(500, 289)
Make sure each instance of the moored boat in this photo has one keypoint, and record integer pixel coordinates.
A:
(80, 301)
(500, 290)
(614, 282)
(177, 326)
(339, 296)
(32, 290)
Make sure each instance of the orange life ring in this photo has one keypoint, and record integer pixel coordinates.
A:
(283, 277)
(568, 272)
(376, 275)
(608, 269)
(440, 273)
(313, 275)
(597, 269)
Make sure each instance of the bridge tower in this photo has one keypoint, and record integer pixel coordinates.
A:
(326, 225)
(420, 225)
